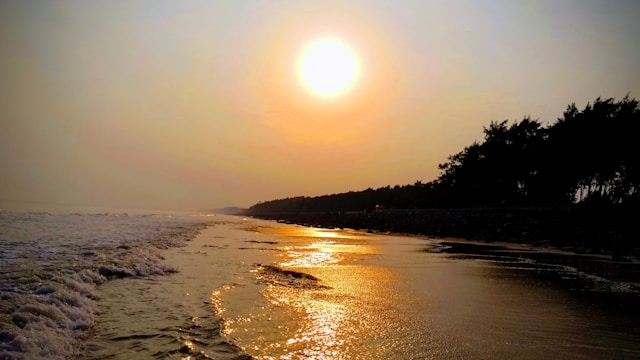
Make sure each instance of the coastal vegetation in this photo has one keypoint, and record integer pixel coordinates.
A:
(575, 181)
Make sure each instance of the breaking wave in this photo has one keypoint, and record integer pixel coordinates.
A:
(52, 263)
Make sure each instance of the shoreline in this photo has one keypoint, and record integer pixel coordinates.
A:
(603, 232)
(542, 234)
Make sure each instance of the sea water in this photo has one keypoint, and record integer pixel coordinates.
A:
(51, 265)
(137, 287)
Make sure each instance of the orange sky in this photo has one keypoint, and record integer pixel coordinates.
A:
(186, 105)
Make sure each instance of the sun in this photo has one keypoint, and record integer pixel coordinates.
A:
(328, 67)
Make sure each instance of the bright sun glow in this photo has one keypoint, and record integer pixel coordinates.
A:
(328, 67)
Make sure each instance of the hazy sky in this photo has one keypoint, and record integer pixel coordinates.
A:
(197, 104)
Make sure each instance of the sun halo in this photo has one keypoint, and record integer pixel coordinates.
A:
(328, 67)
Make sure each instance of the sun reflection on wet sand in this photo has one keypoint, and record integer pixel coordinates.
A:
(315, 233)
(319, 254)
(326, 234)
(333, 319)
(300, 257)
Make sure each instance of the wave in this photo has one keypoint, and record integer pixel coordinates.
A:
(52, 263)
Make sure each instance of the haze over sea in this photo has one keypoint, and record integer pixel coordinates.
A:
(183, 105)
(126, 286)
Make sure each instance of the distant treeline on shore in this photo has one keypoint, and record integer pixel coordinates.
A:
(587, 159)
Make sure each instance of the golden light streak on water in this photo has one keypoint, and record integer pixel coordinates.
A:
(321, 296)
(332, 323)
(315, 259)
(325, 234)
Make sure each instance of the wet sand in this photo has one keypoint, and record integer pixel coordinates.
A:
(268, 290)
(626, 272)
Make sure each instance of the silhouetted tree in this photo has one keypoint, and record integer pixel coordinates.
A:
(587, 156)
(498, 171)
(591, 156)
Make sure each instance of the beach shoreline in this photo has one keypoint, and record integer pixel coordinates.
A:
(480, 232)
(581, 231)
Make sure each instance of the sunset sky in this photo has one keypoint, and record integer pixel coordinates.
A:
(200, 104)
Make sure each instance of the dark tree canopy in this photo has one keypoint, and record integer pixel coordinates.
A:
(587, 157)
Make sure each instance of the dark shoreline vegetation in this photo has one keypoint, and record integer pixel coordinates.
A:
(574, 185)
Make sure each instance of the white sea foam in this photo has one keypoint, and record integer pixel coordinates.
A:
(50, 265)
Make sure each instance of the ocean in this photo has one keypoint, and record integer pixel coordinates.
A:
(186, 286)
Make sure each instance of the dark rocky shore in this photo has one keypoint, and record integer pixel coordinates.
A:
(611, 231)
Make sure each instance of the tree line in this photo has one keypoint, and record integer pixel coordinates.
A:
(587, 157)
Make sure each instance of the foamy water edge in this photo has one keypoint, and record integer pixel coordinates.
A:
(52, 264)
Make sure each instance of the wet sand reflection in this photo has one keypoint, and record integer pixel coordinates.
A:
(334, 316)
(331, 294)
(288, 292)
